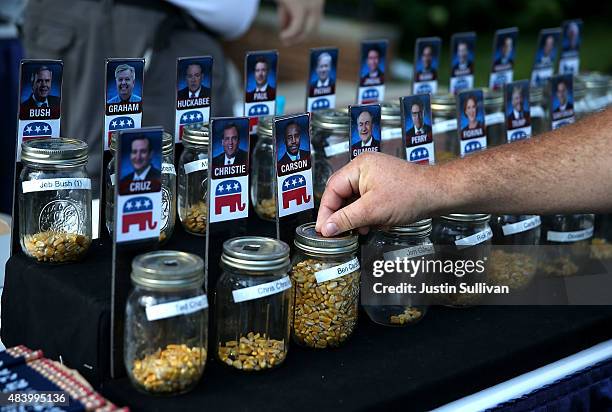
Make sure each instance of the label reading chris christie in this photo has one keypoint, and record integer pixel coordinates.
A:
(365, 130)
(321, 89)
(471, 121)
(193, 92)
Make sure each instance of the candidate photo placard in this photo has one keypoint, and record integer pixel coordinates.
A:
(260, 72)
(372, 72)
(123, 96)
(364, 128)
(229, 178)
(471, 121)
(562, 100)
(321, 89)
(569, 62)
(426, 63)
(518, 117)
(417, 128)
(193, 92)
(546, 56)
(504, 54)
(462, 61)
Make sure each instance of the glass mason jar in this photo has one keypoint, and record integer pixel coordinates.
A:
(263, 191)
(54, 200)
(409, 241)
(391, 130)
(168, 187)
(253, 303)
(326, 275)
(463, 237)
(591, 94)
(166, 323)
(193, 180)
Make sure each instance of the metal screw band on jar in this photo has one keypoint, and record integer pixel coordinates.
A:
(467, 217)
(308, 240)
(168, 270)
(421, 228)
(332, 120)
(59, 152)
(196, 134)
(255, 255)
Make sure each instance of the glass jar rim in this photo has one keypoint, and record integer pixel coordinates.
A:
(255, 255)
(168, 270)
(309, 240)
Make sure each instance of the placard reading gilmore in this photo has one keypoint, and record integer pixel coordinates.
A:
(462, 61)
(372, 72)
(426, 61)
(545, 57)
(518, 116)
(321, 91)
(471, 121)
(365, 128)
(562, 100)
(569, 63)
(417, 122)
(193, 92)
(504, 51)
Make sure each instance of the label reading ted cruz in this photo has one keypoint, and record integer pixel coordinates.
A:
(176, 308)
(263, 290)
(63, 183)
(337, 271)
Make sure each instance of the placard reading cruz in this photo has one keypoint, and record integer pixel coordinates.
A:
(260, 83)
(293, 164)
(40, 92)
(471, 121)
(123, 91)
(417, 131)
(229, 182)
(372, 72)
(518, 117)
(138, 205)
(562, 100)
(193, 97)
(426, 61)
(321, 90)
(545, 57)
(504, 51)
(462, 62)
(365, 129)
(569, 63)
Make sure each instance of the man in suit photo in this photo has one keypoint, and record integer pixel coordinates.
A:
(364, 127)
(463, 62)
(141, 153)
(505, 56)
(293, 133)
(562, 98)
(125, 78)
(375, 75)
(324, 84)
(262, 91)
(232, 155)
(419, 127)
(41, 98)
(518, 117)
(193, 79)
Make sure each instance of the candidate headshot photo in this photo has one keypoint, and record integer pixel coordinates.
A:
(230, 145)
(373, 63)
(365, 127)
(292, 142)
(547, 50)
(193, 78)
(40, 89)
(427, 59)
(471, 113)
(504, 49)
(140, 161)
(417, 127)
(571, 36)
(517, 105)
(261, 77)
(323, 72)
(124, 83)
(562, 94)
(463, 55)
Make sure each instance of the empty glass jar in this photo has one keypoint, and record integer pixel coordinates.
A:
(193, 180)
(263, 191)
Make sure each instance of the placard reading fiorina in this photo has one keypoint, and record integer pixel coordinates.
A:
(372, 71)
(426, 62)
(569, 63)
(193, 97)
(321, 89)
(561, 100)
(462, 62)
(417, 131)
(471, 121)
(518, 117)
(504, 51)
(545, 57)
(365, 131)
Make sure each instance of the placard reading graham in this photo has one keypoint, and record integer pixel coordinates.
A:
(545, 57)
(193, 98)
(123, 91)
(462, 61)
(321, 90)
(426, 61)
(260, 83)
(471, 121)
(365, 129)
(569, 63)
(518, 117)
(562, 101)
(372, 72)
(418, 135)
(504, 50)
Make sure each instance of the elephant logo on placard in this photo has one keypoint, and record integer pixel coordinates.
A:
(472, 147)
(419, 155)
(229, 194)
(321, 104)
(37, 130)
(369, 96)
(294, 188)
(138, 211)
(518, 135)
(119, 123)
(423, 89)
(259, 110)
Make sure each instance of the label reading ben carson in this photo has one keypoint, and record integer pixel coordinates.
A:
(569, 63)
(417, 128)
(471, 121)
(337, 271)
(123, 96)
(365, 129)
(193, 92)
(372, 72)
(321, 85)
(545, 57)
(261, 291)
(517, 111)
(462, 61)
(260, 74)
(176, 308)
(63, 183)
(562, 100)
(426, 63)
(504, 51)
(474, 239)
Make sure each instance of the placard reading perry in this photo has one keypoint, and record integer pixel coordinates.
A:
(123, 102)
(365, 129)
(462, 61)
(471, 121)
(193, 86)
(321, 92)
(570, 47)
(426, 61)
(562, 100)
(229, 183)
(138, 201)
(504, 46)
(418, 135)
(518, 117)
(293, 164)
(372, 72)
(545, 57)
(40, 93)
(260, 83)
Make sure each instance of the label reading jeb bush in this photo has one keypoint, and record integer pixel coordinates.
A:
(176, 308)
(64, 183)
(337, 271)
(263, 290)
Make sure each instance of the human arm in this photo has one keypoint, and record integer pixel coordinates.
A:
(298, 19)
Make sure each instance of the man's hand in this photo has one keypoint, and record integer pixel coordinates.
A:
(298, 19)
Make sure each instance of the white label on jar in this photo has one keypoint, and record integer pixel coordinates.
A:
(475, 239)
(336, 148)
(337, 271)
(63, 183)
(444, 126)
(390, 134)
(112, 178)
(263, 290)
(494, 118)
(176, 308)
(410, 252)
(196, 165)
(574, 236)
(536, 111)
(168, 168)
(522, 226)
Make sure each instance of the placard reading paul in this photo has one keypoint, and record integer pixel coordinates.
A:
(293, 164)
(504, 51)
(138, 203)
(260, 83)
(426, 61)
(418, 135)
(518, 117)
(462, 61)
(569, 63)
(321, 92)
(562, 100)
(193, 86)
(545, 57)
(471, 121)
(229, 182)
(365, 129)
(123, 102)
(372, 72)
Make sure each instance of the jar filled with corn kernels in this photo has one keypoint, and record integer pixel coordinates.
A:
(193, 180)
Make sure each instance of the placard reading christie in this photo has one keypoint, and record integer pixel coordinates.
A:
(138, 206)
(569, 63)
(518, 117)
(229, 181)
(40, 96)
(471, 121)
(462, 62)
(123, 91)
(293, 164)
(562, 100)
(504, 51)
(372, 72)
(364, 128)
(426, 61)
(260, 83)
(417, 131)
(321, 90)
(545, 57)
(193, 97)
